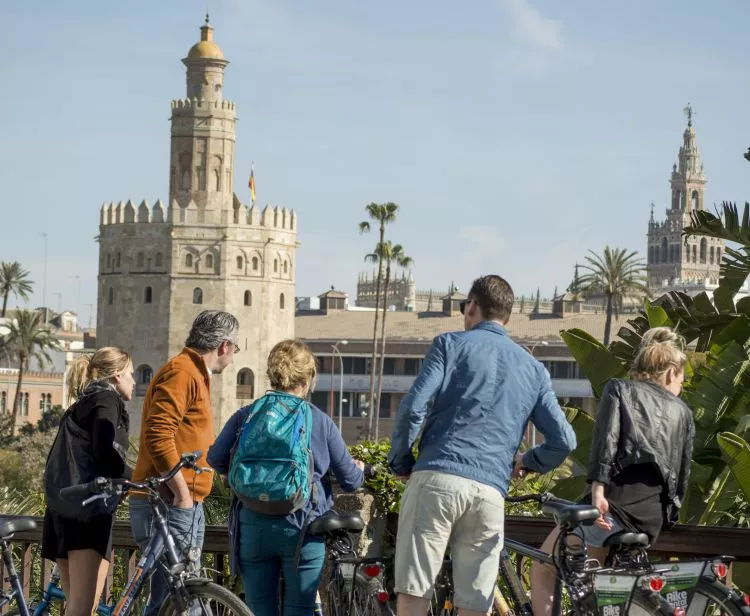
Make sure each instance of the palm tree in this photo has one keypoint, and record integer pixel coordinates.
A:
(382, 214)
(13, 279)
(28, 338)
(388, 253)
(616, 274)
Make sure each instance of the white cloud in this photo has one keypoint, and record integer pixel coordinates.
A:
(536, 39)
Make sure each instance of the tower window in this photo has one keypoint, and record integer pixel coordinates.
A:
(197, 295)
(157, 259)
(664, 249)
(141, 259)
(248, 298)
(286, 267)
(147, 295)
(185, 183)
(695, 254)
(111, 296)
(281, 301)
(117, 260)
(255, 264)
(210, 261)
(109, 260)
(275, 266)
(695, 200)
(718, 255)
(240, 263)
(704, 245)
(245, 384)
(188, 260)
(217, 180)
(711, 255)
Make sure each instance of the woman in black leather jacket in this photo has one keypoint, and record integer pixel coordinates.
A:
(640, 456)
(99, 384)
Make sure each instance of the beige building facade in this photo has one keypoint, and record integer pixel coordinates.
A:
(160, 265)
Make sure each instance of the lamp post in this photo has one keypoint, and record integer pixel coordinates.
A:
(531, 352)
(336, 351)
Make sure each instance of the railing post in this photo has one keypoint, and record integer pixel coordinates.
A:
(107, 592)
(26, 567)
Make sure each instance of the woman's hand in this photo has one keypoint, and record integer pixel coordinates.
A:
(359, 464)
(601, 503)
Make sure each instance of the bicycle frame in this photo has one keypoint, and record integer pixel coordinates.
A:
(159, 543)
(16, 591)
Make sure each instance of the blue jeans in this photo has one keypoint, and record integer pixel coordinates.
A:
(187, 527)
(267, 548)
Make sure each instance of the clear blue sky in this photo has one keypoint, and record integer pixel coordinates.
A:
(515, 134)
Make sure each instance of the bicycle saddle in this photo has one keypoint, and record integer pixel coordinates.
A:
(18, 525)
(632, 539)
(570, 514)
(332, 521)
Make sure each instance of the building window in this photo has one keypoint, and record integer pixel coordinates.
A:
(147, 295)
(389, 365)
(248, 298)
(664, 249)
(143, 375)
(718, 255)
(3, 402)
(354, 365)
(695, 200)
(385, 404)
(185, 179)
(188, 260)
(109, 260)
(217, 180)
(711, 255)
(25, 405)
(245, 384)
(704, 245)
(197, 295)
(275, 266)
(255, 264)
(141, 259)
(240, 263)
(286, 267)
(117, 260)
(210, 261)
(111, 296)
(412, 366)
(695, 253)
(281, 301)
(157, 259)
(45, 403)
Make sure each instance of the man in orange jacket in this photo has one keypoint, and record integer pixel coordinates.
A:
(177, 418)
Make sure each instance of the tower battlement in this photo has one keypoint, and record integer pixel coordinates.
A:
(269, 217)
(199, 103)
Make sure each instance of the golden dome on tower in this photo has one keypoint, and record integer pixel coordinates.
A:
(206, 48)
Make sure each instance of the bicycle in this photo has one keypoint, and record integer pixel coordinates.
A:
(355, 587)
(186, 590)
(591, 590)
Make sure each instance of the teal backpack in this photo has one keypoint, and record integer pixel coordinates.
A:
(272, 466)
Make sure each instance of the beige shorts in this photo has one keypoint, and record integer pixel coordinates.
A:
(440, 510)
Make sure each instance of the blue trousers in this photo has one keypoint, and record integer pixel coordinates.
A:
(267, 549)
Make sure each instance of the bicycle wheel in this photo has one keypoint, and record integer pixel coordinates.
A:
(714, 598)
(207, 599)
(366, 602)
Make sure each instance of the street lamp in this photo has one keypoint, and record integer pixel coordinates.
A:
(336, 351)
(531, 352)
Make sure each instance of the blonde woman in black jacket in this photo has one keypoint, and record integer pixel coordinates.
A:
(99, 385)
(639, 465)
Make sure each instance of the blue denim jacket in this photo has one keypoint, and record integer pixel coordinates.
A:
(475, 395)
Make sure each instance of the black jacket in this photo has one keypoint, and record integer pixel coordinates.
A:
(639, 422)
(100, 410)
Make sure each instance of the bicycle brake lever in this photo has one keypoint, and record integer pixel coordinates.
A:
(94, 498)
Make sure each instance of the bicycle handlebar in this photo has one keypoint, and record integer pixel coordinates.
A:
(102, 487)
(538, 498)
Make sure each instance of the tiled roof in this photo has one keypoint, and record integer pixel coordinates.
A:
(355, 325)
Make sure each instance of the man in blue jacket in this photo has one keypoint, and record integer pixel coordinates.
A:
(472, 402)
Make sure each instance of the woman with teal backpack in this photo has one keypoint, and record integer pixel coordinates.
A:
(276, 452)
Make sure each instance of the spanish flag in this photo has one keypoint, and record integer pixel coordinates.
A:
(251, 184)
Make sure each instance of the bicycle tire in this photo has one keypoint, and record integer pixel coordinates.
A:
(365, 601)
(202, 589)
(709, 593)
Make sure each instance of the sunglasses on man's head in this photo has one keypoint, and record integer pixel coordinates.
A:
(463, 303)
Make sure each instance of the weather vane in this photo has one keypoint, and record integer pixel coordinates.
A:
(688, 111)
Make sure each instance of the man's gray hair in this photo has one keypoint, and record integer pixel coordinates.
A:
(211, 328)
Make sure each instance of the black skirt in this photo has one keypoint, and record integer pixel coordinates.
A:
(62, 535)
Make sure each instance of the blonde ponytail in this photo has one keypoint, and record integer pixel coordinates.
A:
(102, 365)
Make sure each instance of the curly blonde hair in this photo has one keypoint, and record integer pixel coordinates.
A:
(102, 365)
(661, 349)
(290, 365)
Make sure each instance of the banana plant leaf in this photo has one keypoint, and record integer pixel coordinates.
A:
(596, 362)
(736, 452)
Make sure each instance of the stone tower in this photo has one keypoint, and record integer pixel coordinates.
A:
(160, 266)
(672, 262)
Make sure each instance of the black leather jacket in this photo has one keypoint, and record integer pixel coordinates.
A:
(639, 422)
